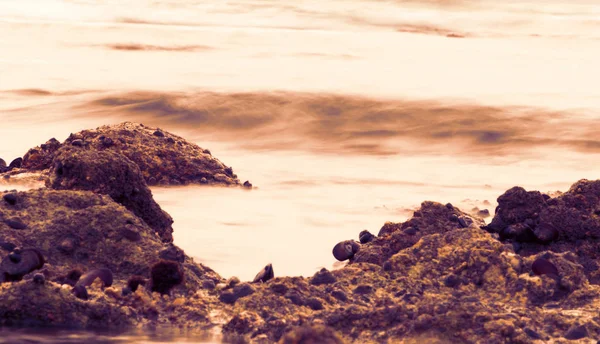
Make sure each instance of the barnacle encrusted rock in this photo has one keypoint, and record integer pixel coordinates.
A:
(112, 174)
(163, 158)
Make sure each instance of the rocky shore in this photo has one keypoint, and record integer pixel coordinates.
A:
(94, 250)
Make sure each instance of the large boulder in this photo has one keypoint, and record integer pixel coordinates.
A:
(113, 174)
(534, 222)
(79, 231)
(430, 218)
(163, 158)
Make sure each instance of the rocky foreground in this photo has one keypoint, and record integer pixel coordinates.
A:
(93, 250)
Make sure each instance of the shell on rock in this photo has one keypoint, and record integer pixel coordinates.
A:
(345, 250)
(265, 274)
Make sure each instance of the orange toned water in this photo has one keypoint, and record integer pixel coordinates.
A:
(344, 114)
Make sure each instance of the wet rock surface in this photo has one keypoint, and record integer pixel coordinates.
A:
(163, 158)
(87, 255)
(109, 173)
(569, 222)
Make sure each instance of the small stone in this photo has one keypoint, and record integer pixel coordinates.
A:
(107, 142)
(387, 266)
(365, 237)
(345, 250)
(453, 218)
(483, 213)
(451, 281)
(462, 222)
(173, 253)
(363, 289)
(15, 163)
(131, 234)
(206, 151)
(279, 288)
(323, 277)
(166, 275)
(209, 284)
(2, 164)
(238, 291)
(77, 143)
(229, 171)
(158, 133)
(15, 224)
(247, 185)
(39, 279)
(542, 266)
(576, 332)
(135, 281)
(410, 231)
(203, 180)
(10, 198)
(180, 301)
(67, 246)
(170, 140)
(531, 333)
(295, 297)
(264, 275)
(314, 303)
(7, 246)
(449, 206)
(232, 282)
(340, 295)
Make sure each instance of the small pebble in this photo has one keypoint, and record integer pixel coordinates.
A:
(264, 275)
(323, 277)
(10, 198)
(340, 295)
(247, 185)
(77, 143)
(203, 180)
(314, 303)
(107, 142)
(462, 222)
(67, 246)
(451, 281)
(363, 289)
(15, 224)
(542, 266)
(483, 213)
(410, 231)
(209, 284)
(531, 333)
(576, 332)
(15, 163)
(158, 133)
(39, 278)
(365, 237)
(232, 282)
(453, 218)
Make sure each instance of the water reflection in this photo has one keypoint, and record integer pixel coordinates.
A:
(66, 336)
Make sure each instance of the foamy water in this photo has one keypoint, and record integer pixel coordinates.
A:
(463, 101)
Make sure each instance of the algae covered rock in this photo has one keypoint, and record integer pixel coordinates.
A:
(112, 174)
(163, 158)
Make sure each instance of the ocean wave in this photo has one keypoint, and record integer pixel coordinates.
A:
(355, 124)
